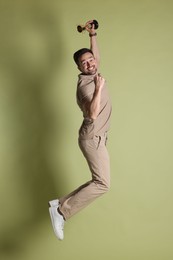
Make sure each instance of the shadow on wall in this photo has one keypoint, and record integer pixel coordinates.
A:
(31, 58)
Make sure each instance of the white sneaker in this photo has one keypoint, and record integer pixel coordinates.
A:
(54, 203)
(57, 219)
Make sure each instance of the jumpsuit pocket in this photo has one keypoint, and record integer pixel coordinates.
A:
(106, 139)
(100, 140)
(97, 140)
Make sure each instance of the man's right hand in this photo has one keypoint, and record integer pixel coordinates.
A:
(99, 82)
(89, 27)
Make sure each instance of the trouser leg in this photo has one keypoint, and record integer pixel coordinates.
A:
(97, 157)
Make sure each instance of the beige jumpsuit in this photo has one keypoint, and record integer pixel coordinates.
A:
(92, 142)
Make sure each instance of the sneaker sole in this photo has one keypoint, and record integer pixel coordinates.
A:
(51, 216)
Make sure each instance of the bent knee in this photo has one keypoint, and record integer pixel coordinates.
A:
(104, 187)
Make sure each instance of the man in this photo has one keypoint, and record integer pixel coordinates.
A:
(93, 100)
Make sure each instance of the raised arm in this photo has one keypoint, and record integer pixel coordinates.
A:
(93, 40)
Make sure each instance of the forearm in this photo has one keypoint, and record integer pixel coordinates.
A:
(94, 47)
(94, 107)
(93, 40)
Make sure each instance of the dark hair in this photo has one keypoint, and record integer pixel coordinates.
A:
(79, 53)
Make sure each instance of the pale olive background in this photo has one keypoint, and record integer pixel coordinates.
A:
(39, 120)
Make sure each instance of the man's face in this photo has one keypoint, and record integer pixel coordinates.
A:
(87, 64)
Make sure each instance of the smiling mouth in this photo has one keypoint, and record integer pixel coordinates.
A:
(91, 68)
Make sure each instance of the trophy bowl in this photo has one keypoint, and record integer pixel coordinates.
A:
(81, 28)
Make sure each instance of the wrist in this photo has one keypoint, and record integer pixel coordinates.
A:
(92, 34)
(98, 89)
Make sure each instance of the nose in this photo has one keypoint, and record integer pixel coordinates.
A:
(88, 64)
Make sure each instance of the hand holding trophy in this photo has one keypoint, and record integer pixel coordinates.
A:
(81, 28)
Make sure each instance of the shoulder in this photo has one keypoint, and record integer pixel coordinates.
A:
(85, 83)
(85, 87)
(84, 80)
